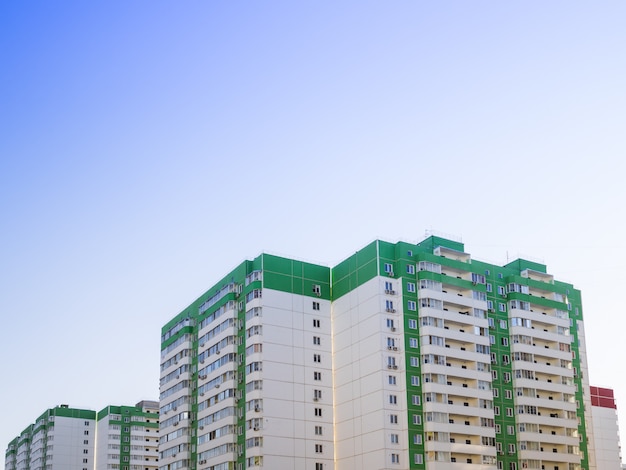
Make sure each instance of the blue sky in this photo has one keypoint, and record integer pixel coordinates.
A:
(146, 148)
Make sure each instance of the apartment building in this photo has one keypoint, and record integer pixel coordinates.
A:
(62, 438)
(605, 428)
(246, 372)
(127, 437)
(403, 356)
(445, 362)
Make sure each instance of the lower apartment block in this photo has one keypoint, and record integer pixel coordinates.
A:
(403, 356)
(64, 438)
(127, 437)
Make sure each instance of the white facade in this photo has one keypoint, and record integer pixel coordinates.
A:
(369, 377)
(605, 429)
(70, 444)
(295, 419)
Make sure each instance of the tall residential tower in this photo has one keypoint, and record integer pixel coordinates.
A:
(403, 356)
(246, 372)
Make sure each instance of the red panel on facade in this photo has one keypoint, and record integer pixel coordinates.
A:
(605, 392)
(603, 397)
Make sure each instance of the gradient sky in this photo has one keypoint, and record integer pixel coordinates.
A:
(148, 147)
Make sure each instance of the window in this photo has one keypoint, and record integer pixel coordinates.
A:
(392, 380)
(86, 423)
(388, 268)
(316, 323)
(412, 324)
(489, 287)
(496, 410)
(417, 419)
(393, 419)
(412, 305)
(317, 358)
(318, 412)
(318, 448)
(507, 377)
(317, 394)
(319, 466)
(501, 290)
(316, 340)
(85, 442)
(417, 439)
(418, 459)
(318, 430)
(478, 278)
(395, 458)
(410, 287)
(394, 439)
(491, 322)
(389, 306)
(410, 268)
(510, 429)
(415, 380)
(393, 400)
(508, 394)
(503, 324)
(414, 361)
(509, 411)
(505, 341)
(317, 376)
(416, 400)
(317, 289)
(501, 307)
(478, 295)
(412, 342)
(316, 305)
(86, 433)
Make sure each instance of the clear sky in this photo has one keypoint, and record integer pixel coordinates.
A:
(148, 147)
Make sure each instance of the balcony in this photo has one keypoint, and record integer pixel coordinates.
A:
(540, 350)
(546, 420)
(548, 438)
(547, 404)
(544, 386)
(547, 457)
(459, 428)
